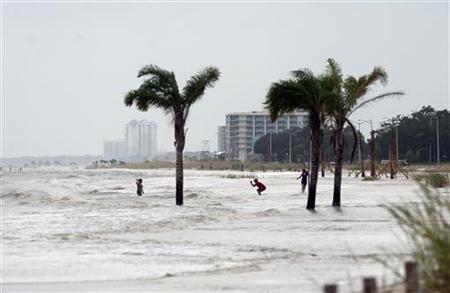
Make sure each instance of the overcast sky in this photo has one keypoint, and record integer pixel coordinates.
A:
(67, 66)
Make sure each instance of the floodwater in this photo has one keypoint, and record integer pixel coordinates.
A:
(83, 230)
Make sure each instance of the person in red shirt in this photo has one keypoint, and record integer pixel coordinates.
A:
(261, 187)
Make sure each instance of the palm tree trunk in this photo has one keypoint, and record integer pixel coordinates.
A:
(322, 160)
(179, 146)
(372, 154)
(338, 159)
(179, 178)
(315, 159)
(361, 147)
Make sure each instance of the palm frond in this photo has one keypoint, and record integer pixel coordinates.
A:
(333, 69)
(349, 85)
(374, 99)
(144, 99)
(287, 96)
(378, 74)
(311, 85)
(303, 73)
(166, 79)
(331, 95)
(355, 141)
(331, 88)
(196, 85)
(130, 97)
(364, 83)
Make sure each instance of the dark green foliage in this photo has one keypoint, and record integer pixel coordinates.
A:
(427, 226)
(417, 136)
(160, 90)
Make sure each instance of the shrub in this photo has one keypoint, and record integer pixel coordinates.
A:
(427, 226)
(434, 179)
(437, 180)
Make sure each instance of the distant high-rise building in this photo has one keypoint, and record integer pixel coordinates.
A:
(132, 138)
(140, 137)
(221, 130)
(147, 139)
(243, 129)
(114, 149)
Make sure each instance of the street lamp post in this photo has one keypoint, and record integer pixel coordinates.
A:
(438, 157)
(359, 142)
(290, 147)
(396, 142)
(437, 141)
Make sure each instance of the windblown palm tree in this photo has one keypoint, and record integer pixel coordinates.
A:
(160, 90)
(303, 91)
(345, 97)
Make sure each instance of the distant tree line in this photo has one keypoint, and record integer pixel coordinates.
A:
(417, 136)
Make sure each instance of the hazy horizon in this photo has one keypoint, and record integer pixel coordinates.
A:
(67, 66)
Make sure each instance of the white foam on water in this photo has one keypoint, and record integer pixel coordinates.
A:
(63, 225)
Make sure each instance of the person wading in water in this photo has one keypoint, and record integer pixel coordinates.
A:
(261, 187)
(304, 181)
(140, 187)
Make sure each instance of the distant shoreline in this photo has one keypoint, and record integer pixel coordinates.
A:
(274, 166)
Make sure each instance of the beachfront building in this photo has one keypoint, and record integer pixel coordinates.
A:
(221, 130)
(140, 137)
(242, 130)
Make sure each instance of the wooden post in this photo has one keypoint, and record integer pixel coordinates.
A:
(330, 288)
(369, 285)
(411, 278)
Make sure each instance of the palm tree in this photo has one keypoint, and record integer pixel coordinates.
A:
(160, 90)
(345, 97)
(303, 91)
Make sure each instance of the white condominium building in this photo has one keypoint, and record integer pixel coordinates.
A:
(147, 139)
(140, 137)
(139, 143)
(242, 130)
(132, 138)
